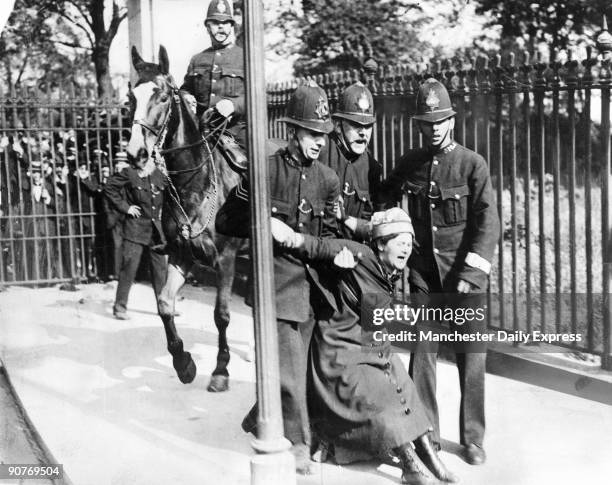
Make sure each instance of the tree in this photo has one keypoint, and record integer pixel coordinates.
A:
(334, 33)
(65, 33)
(558, 24)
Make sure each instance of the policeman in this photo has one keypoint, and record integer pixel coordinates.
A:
(349, 157)
(452, 205)
(215, 76)
(303, 192)
(138, 192)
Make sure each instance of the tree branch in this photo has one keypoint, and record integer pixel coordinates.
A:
(70, 44)
(80, 26)
(116, 21)
(80, 10)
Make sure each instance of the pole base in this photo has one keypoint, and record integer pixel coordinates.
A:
(273, 469)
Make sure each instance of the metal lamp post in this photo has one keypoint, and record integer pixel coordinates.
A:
(273, 464)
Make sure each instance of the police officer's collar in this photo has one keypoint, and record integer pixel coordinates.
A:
(294, 162)
(342, 146)
(447, 149)
(392, 277)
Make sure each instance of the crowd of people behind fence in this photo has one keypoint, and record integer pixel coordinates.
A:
(54, 221)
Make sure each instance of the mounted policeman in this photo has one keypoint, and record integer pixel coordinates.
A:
(349, 157)
(215, 84)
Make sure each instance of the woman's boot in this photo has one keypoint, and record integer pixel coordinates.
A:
(428, 454)
(414, 472)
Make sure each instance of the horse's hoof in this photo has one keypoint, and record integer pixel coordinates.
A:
(218, 384)
(185, 368)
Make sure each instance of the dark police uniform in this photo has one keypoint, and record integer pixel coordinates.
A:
(303, 197)
(359, 180)
(456, 224)
(216, 74)
(125, 189)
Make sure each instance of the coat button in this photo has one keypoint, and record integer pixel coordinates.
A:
(407, 411)
(403, 400)
(153, 207)
(436, 251)
(434, 228)
(381, 355)
(435, 162)
(457, 196)
(303, 176)
(433, 206)
(214, 80)
(409, 191)
(274, 209)
(301, 224)
(432, 183)
(399, 390)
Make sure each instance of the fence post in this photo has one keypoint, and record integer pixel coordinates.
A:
(604, 44)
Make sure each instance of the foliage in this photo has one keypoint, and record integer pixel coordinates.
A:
(555, 23)
(336, 34)
(61, 39)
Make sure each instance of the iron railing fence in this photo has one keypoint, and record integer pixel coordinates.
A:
(52, 227)
(545, 130)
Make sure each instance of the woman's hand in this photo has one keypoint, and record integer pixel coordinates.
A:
(345, 259)
(282, 233)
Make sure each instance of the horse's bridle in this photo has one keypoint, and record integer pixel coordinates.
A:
(187, 230)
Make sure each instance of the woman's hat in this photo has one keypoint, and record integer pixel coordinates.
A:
(391, 222)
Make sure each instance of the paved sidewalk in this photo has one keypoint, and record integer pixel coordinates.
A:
(104, 397)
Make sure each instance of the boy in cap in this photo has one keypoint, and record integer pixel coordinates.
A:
(452, 206)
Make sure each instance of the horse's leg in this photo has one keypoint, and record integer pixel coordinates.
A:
(183, 363)
(219, 381)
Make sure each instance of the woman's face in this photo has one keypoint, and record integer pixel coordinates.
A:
(395, 253)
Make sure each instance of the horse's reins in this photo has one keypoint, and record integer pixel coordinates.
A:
(187, 230)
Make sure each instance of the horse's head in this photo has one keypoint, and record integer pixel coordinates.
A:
(151, 103)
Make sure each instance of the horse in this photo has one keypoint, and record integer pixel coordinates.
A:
(166, 131)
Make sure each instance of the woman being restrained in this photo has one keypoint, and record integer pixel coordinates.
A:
(363, 399)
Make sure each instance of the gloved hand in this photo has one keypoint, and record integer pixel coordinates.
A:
(225, 108)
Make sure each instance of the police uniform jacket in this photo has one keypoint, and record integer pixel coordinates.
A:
(127, 188)
(216, 74)
(359, 180)
(452, 206)
(303, 197)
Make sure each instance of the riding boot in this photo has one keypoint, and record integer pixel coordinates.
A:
(428, 454)
(414, 472)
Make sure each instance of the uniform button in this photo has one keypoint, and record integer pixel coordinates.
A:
(435, 162)
(403, 400)
(274, 209)
(301, 224)
(432, 183)
(322, 213)
(433, 206)
(303, 176)
(212, 94)
(214, 80)
(436, 251)
(381, 355)
(218, 53)
(307, 265)
(457, 196)
(434, 228)
(407, 411)
(409, 191)
(153, 207)
(399, 390)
